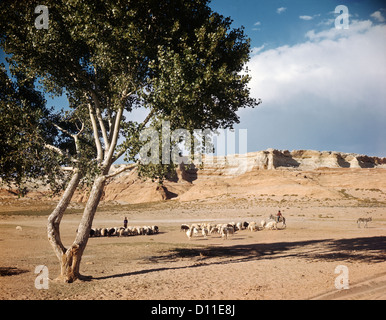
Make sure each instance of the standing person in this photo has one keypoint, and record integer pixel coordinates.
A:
(125, 223)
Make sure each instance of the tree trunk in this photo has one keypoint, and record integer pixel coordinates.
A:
(56, 216)
(71, 258)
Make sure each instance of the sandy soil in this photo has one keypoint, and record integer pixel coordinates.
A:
(293, 263)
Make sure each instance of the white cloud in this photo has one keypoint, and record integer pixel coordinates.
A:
(305, 17)
(325, 93)
(258, 23)
(326, 22)
(355, 27)
(280, 10)
(377, 15)
(256, 50)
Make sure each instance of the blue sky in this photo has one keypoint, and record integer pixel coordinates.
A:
(277, 22)
(322, 88)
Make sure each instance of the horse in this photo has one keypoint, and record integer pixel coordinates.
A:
(281, 219)
(364, 220)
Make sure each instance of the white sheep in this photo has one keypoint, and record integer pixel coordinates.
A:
(225, 232)
(272, 225)
(263, 223)
(204, 232)
(189, 233)
(252, 226)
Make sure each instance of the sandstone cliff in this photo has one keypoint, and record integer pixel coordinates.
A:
(301, 172)
(298, 159)
(304, 173)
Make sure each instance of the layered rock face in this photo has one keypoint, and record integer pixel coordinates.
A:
(306, 173)
(264, 172)
(271, 159)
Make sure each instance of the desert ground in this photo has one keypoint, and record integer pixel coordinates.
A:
(296, 262)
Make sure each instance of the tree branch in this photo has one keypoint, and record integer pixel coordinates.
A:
(60, 152)
(100, 119)
(74, 136)
(96, 134)
(125, 168)
(63, 130)
(114, 138)
(142, 125)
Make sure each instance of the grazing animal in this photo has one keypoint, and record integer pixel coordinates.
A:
(155, 229)
(364, 220)
(184, 227)
(272, 225)
(189, 233)
(227, 231)
(147, 231)
(252, 226)
(111, 232)
(214, 230)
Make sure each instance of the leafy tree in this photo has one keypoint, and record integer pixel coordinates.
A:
(23, 129)
(176, 58)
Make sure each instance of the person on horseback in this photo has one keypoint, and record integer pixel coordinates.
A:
(278, 215)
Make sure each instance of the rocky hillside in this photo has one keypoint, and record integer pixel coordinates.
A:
(268, 174)
(303, 173)
(298, 159)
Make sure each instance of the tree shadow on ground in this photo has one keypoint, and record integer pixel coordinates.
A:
(11, 271)
(371, 250)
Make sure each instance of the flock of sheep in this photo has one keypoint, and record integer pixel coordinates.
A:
(225, 229)
(124, 232)
(205, 229)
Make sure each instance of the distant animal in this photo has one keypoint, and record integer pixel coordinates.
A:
(252, 226)
(104, 232)
(226, 231)
(184, 227)
(111, 232)
(272, 225)
(364, 220)
(189, 233)
(155, 229)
